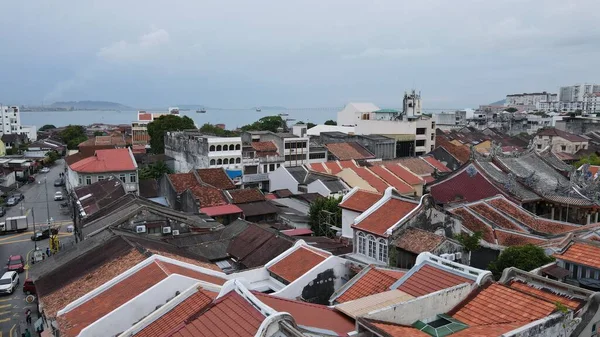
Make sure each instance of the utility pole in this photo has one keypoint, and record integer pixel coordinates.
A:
(33, 218)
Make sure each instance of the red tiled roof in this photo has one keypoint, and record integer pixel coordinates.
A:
(144, 116)
(399, 185)
(349, 151)
(229, 316)
(297, 263)
(297, 232)
(546, 294)
(246, 195)
(264, 146)
(436, 164)
(371, 179)
(216, 177)
(373, 282)
(428, 179)
(318, 167)
(347, 164)
(498, 304)
(310, 315)
(554, 132)
(221, 210)
(475, 225)
(428, 279)
(208, 196)
(171, 268)
(270, 196)
(461, 153)
(181, 313)
(396, 330)
(488, 330)
(109, 160)
(508, 239)
(494, 217)
(385, 216)
(417, 241)
(581, 253)
(415, 165)
(463, 187)
(405, 174)
(182, 181)
(333, 167)
(360, 200)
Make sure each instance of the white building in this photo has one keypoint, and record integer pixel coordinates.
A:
(10, 117)
(572, 98)
(591, 103)
(317, 129)
(295, 150)
(530, 99)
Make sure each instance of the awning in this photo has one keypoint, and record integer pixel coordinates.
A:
(555, 271)
(234, 173)
(221, 210)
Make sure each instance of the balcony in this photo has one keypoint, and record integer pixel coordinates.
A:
(263, 160)
(255, 178)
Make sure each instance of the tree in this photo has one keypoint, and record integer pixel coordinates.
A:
(330, 122)
(47, 127)
(73, 135)
(310, 125)
(217, 131)
(317, 215)
(592, 159)
(98, 133)
(154, 171)
(511, 109)
(158, 127)
(526, 258)
(268, 123)
(51, 157)
(470, 242)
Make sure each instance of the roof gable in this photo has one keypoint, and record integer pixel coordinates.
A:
(216, 177)
(349, 150)
(110, 160)
(297, 263)
(427, 279)
(360, 200)
(374, 281)
(384, 214)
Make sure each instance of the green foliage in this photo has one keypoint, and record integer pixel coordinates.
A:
(317, 215)
(73, 135)
(310, 125)
(511, 109)
(51, 157)
(98, 133)
(217, 131)
(268, 123)
(158, 127)
(154, 171)
(470, 242)
(10, 152)
(526, 258)
(47, 127)
(592, 159)
(330, 122)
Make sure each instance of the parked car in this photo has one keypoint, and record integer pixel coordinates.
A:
(58, 196)
(8, 282)
(40, 235)
(45, 170)
(2, 211)
(18, 196)
(59, 182)
(28, 286)
(16, 263)
(12, 201)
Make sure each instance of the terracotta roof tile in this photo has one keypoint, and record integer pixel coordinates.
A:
(360, 200)
(171, 268)
(110, 160)
(436, 164)
(297, 263)
(475, 225)
(347, 164)
(385, 216)
(216, 177)
(494, 217)
(582, 253)
(460, 152)
(428, 279)
(405, 174)
(333, 166)
(144, 116)
(221, 210)
(349, 151)
(464, 187)
(374, 281)
(208, 196)
(401, 186)
(498, 304)
(246, 195)
(371, 179)
(508, 239)
(310, 315)
(546, 294)
(488, 330)
(417, 241)
(182, 181)
(396, 330)
(415, 165)
(318, 167)
(264, 146)
(554, 132)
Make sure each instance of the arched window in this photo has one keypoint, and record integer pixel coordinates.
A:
(383, 251)
(238, 160)
(372, 252)
(237, 146)
(225, 161)
(231, 147)
(362, 243)
(219, 162)
(212, 148)
(212, 162)
(231, 161)
(218, 147)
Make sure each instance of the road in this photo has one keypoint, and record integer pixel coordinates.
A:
(38, 203)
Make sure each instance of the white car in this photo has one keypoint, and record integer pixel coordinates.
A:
(58, 196)
(45, 170)
(9, 282)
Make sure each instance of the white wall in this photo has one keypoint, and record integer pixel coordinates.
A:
(348, 217)
(317, 186)
(340, 270)
(423, 307)
(282, 179)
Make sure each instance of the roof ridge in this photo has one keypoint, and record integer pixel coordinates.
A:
(320, 306)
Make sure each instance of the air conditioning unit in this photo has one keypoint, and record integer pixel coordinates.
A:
(458, 256)
(175, 232)
(140, 229)
(166, 230)
(450, 257)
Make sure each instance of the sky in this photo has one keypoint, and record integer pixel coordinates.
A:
(301, 54)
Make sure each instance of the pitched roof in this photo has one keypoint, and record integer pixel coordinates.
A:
(256, 246)
(460, 152)
(376, 280)
(264, 146)
(318, 167)
(92, 198)
(405, 174)
(428, 279)
(364, 305)
(207, 196)
(111, 160)
(297, 263)
(246, 195)
(436, 164)
(396, 330)
(149, 188)
(182, 181)
(360, 200)
(349, 150)
(216, 177)
(371, 179)
(506, 238)
(467, 185)
(552, 132)
(257, 208)
(495, 217)
(333, 167)
(474, 224)
(385, 216)
(221, 210)
(417, 241)
(400, 186)
(547, 294)
(581, 252)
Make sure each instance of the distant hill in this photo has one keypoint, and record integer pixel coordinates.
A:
(90, 105)
(500, 102)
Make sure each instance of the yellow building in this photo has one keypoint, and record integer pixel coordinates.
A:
(2, 149)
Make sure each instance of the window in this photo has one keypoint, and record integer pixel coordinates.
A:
(238, 160)
(421, 131)
(80, 180)
(420, 142)
(219, 162)
(88, 180)
(362, 243)
(576, 148)
(100, 178)
(271, 167)
(212, 148)
(265, 168)
(372, 247)
(383, 252)
(212, 162)
(231, 160)
(218, 147)
(237, 146)
(122, 177)
(132, 178)
(225, 161)
(231, 147)
(432, 136)
(539, 146)
(316, 155)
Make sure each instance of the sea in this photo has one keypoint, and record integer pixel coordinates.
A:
(232, 118)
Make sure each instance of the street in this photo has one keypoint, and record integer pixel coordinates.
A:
(38, 203)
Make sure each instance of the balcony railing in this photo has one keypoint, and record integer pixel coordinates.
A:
(254, 178)
(263, 160)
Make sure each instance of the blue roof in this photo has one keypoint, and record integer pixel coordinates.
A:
(234, 173)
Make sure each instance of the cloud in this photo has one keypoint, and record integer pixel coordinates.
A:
(375, 52)
(146, 45)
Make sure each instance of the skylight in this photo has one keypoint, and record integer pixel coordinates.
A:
(441, 326)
